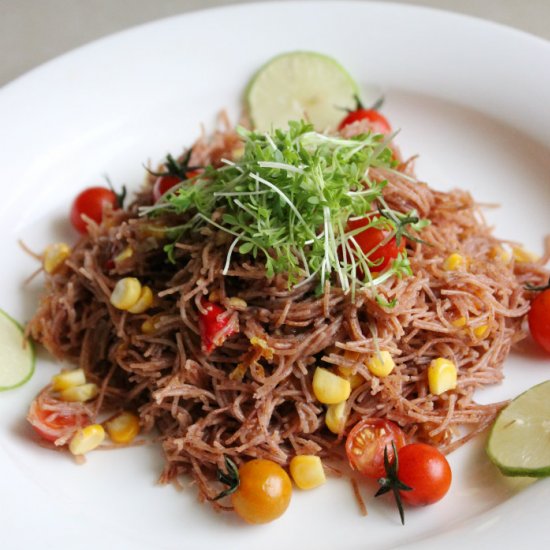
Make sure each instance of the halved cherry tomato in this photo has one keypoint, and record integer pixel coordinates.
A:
(426, 471)
(211, 325)
(539, 319)
(377, 120)
(376, 243)
(366, 442)
(90, 203)
(264, 491)
(50, 425)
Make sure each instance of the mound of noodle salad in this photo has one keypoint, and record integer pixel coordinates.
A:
(221, 364)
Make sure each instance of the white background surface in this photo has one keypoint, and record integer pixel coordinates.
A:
(34, 31)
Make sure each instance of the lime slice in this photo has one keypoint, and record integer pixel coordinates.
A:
(300, 85)
(16, 355)
(519, 442)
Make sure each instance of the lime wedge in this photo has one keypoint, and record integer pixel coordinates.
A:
(16, 355)
(519, 442)
(300, 85)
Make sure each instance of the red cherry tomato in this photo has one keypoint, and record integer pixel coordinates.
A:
(426, 470)
(51, 425)
(376, 243)
(539, 319)
(164, 184)
(91, 203)
(378, 121)
(212, 325)
(366, 442)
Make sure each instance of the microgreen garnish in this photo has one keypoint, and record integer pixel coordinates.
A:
(402, 221)
(230, 478)
(287, 200)
(392, 482)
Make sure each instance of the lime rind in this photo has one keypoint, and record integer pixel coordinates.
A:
(519, 441)
(300, 84)
(17, 361)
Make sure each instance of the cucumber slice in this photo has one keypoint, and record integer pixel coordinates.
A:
(17, 357)
(519, 442)
(300, 85)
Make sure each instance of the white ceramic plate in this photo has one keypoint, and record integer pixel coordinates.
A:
(471, 98)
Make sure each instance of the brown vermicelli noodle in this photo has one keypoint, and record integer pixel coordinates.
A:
(252, 396)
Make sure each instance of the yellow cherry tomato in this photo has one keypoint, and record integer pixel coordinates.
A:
(264, 491)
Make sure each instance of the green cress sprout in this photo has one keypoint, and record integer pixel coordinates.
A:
(287, 201)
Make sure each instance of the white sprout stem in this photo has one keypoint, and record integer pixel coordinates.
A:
(343, 279)
(280, 166)
(402, 175)
(240, 193)
(270, 141)
(229, 253)
(304, 261)
(259, 179)
(313, 138)
(384, 143)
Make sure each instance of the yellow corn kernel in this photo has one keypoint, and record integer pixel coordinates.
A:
(87, 439)
(480, 331)
(123, 428)
(127, 253)
(237, 303)
(80, 394)
(150, 325)
(459, 322)
(454, 262)
(152, 229)
(381, 364)
(523, 256)
(442, 376)
(54, 256)
(499, 253)
(145, 301)
(126, 293)
(329, 388)
(68, 379)
(261, 344)
(355, 379)
(307, 471)
(335, 417)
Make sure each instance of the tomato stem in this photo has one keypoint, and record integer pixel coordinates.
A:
(230, 478)
(119, 196)
(180, 169)
(392, 482)
(359, 105)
